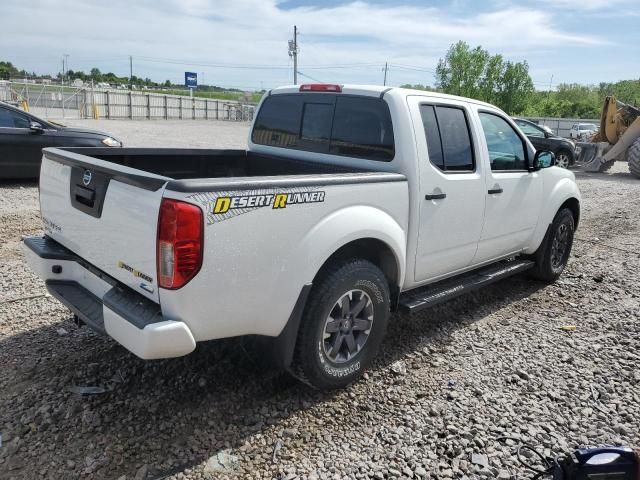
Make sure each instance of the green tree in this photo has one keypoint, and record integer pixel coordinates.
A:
(475, 73)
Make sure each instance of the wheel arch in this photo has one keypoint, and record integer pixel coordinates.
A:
(564, 193)
(377, 252)
(574, 206)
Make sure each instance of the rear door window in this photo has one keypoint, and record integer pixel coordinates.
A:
(327, 123)
(448, 138)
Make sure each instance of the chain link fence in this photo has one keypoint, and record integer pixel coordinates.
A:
(57, 101)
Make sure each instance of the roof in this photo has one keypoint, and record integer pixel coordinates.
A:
(378, 90)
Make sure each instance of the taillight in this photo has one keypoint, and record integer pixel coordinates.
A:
(320, 87)
(180, 233)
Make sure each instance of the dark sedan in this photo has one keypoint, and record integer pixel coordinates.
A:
(23, 136)
(543, 140)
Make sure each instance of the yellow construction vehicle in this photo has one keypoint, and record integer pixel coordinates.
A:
(617, 139)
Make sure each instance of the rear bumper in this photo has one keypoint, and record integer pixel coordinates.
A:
(106, 305)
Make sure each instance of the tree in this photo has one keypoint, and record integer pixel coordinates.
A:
(475, 73)
(7, 70)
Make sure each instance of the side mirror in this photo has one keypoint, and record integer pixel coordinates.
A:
(543, 159)
(35, 127)
(546, 134)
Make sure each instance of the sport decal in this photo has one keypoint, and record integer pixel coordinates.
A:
(221, 206)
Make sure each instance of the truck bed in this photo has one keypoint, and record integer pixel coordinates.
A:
(186, 164)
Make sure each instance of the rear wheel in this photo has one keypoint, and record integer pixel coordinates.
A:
(563, 158)
(633, 157)
(553, 254)
(343, 325)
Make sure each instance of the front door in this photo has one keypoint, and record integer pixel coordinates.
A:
(452, 190)
(514, 194)
(20, 147)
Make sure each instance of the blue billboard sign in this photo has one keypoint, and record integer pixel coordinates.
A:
(190, 79)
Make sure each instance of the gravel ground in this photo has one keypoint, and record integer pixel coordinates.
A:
(447, 385)
(174, 133)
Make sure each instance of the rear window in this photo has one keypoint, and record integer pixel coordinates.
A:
(327, 123)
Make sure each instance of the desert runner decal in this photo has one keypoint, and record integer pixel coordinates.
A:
(221, 206)
(136, 273)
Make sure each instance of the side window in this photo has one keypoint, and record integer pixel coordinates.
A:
(432, 132)
(529, 129)
(11, 119)
(506, 148)
(448, 138)
(362, 128)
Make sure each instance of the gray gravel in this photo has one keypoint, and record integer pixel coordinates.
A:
(446, 386)
(174, 133)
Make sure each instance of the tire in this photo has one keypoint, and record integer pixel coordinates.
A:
(552, 255)
(564, 158)
(324, 357)
(633, 157)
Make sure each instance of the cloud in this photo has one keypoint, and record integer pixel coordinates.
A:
(588, 5)
(256, 32)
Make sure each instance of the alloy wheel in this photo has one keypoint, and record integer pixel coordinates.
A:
(348, 326)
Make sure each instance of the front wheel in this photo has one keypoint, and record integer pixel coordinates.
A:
(563, 158)
(553, 254)
(343, 324)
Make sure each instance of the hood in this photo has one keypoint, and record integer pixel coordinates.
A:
(82, 131)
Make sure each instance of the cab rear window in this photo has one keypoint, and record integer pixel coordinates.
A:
(345, 125)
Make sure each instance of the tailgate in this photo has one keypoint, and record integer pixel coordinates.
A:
(105, 213)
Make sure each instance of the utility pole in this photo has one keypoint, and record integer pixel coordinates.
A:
(130, 72)
(293, 52)
(65, 65)
(386, 67)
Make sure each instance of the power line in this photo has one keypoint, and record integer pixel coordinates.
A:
(310, 78)
(413, 67)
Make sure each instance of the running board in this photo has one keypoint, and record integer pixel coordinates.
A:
(425, 297)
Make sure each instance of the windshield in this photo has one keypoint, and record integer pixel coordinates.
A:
(589, 126)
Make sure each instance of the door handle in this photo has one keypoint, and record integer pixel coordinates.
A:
(494, 191)
(435, 196)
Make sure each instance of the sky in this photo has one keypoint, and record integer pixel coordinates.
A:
(243, 43)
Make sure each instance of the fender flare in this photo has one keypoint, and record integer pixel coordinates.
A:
(564, 190)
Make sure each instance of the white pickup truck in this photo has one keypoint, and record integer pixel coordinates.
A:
(350, 202)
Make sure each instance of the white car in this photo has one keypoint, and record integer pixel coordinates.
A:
(350, 202)
(583, 131)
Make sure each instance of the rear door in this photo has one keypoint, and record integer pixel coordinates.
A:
(452, 190)
(105, 213)
(514, 194)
